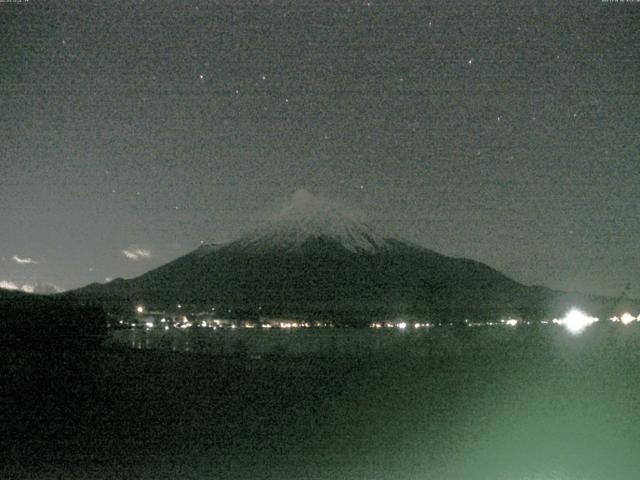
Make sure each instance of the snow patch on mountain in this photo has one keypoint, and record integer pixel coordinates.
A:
(305, 217)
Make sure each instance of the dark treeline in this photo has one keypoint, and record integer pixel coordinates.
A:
(50, 368)
(41, 322)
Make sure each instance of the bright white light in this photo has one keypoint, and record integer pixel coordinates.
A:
(149, 324)
(512, 322)
(402, 325)
(166, 327)
(140, 309)
(627, 318)
(576, 321)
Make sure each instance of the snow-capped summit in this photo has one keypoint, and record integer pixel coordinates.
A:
(307, 217)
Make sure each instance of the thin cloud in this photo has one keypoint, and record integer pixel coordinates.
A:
(8, 285)
(136, 253)
(25, 260)
(42, 288)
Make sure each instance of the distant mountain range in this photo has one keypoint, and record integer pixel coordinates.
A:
(315, 259)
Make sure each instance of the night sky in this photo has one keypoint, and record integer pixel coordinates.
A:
(504, 132)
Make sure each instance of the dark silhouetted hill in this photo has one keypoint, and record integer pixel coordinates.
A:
(47, 322)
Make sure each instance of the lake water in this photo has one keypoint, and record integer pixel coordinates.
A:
(477, 403)
(438, 341)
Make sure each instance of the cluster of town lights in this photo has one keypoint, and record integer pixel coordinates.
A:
(400, 325)
(575, 321)
(150, 320)
(625, 319)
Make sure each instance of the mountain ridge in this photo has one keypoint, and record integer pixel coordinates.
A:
(313, 259)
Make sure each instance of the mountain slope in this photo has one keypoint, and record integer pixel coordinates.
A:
(316, 259)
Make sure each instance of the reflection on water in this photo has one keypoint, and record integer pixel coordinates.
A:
(510, 403)
(324, 341)
(275, 341)
(476, 403)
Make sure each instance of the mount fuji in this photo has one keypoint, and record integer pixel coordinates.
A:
(307, 218)
(316, 259)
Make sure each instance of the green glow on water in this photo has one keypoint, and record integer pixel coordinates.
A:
(512, 403)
